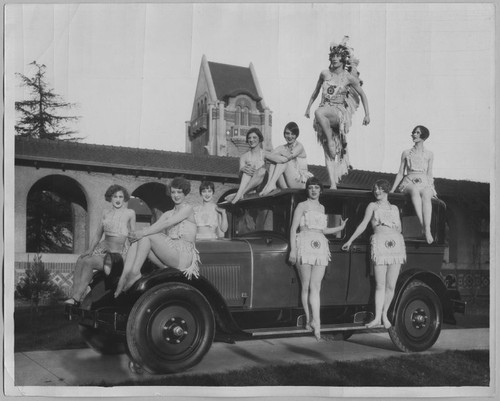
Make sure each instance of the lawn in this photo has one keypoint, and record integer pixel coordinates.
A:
(450, 368)
(49, 330)
(46, 330)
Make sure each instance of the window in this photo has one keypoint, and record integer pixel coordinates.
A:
(260, 218)
(410, 225)
(238, 116)
(334, 210)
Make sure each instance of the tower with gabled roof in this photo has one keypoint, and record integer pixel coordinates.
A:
(227, 103)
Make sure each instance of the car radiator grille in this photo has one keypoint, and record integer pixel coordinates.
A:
(225, 278)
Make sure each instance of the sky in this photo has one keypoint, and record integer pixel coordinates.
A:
(133, 69)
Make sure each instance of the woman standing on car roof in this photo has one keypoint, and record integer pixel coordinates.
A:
(309, 250)
(116, 223)
(341, 90)
(175, 249)
(388, 249)
(211, 220)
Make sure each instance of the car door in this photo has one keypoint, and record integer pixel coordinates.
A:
(360, 286)
(335, 282)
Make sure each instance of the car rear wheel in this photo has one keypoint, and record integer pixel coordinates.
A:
(418, 318)
(170, 328)
(99, 340)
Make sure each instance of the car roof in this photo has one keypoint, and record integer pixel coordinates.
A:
(355, 193)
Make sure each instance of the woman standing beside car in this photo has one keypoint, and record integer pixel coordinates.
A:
(310, 251)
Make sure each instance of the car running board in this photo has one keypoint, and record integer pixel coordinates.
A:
(299, 330)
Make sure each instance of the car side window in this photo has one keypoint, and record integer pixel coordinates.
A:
(259, 218)
(410, 225)
(335, 211)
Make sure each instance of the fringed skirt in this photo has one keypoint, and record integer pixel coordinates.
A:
(420, 180)
(388, 248)
(312, 249)
(336, 158)
(189, 258)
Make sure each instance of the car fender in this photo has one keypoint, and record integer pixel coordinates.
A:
(224, 320)
(433, 281)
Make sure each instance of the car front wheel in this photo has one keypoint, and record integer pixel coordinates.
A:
(170, 328)
(418, 318)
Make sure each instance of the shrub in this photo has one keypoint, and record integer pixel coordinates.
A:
(36, 283)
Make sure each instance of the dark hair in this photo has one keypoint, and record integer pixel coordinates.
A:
(384, 185)
(113, 189)
(181, 183)
(424, 132)
(292, 127)
(342, 51)
(256, 131)
(207, 185)
(314, 181)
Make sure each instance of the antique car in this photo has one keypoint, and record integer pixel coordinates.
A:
(247, 289)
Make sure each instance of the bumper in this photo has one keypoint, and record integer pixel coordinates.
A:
(107, 319)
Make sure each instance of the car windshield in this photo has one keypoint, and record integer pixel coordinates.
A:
(262, 217)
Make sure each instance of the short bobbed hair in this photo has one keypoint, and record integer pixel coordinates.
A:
(292, 127)
(207, 185)
(113, 189)
(424, 132)
(384, 185)
(182, 184)
(314, 181)
(256, 131)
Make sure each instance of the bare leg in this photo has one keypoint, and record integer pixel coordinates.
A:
(305, 280)
(330, 167)
(137, 254)
(427, 213)
(326, 120)
(314, 298)
(380, 278)
(245, 179)
(291, 176)
(416, 200)
(250, 183)
(85, 268)
(390, 285)
(275, 172)
(281, 182)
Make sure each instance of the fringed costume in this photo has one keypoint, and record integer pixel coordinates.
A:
(312, 245)
(206, 218)
(387, 242)
(181, 237)
(417, 164)
(343, 100)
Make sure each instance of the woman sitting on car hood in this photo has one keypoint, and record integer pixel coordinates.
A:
(175, 249)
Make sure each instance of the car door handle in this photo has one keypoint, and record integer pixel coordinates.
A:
(356, 249)
(269, 241)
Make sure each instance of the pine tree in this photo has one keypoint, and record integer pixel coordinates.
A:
(36, 283)
(39, 118)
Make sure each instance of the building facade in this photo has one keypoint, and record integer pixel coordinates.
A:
(81, 173)
(227, 102)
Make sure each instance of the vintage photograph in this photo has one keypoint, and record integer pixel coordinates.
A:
(249, 199)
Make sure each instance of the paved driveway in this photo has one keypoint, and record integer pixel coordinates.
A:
(86, 367)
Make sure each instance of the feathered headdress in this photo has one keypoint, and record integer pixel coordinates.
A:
(346, 54)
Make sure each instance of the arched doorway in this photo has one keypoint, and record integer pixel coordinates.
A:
(56, 216)
(150, 201)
